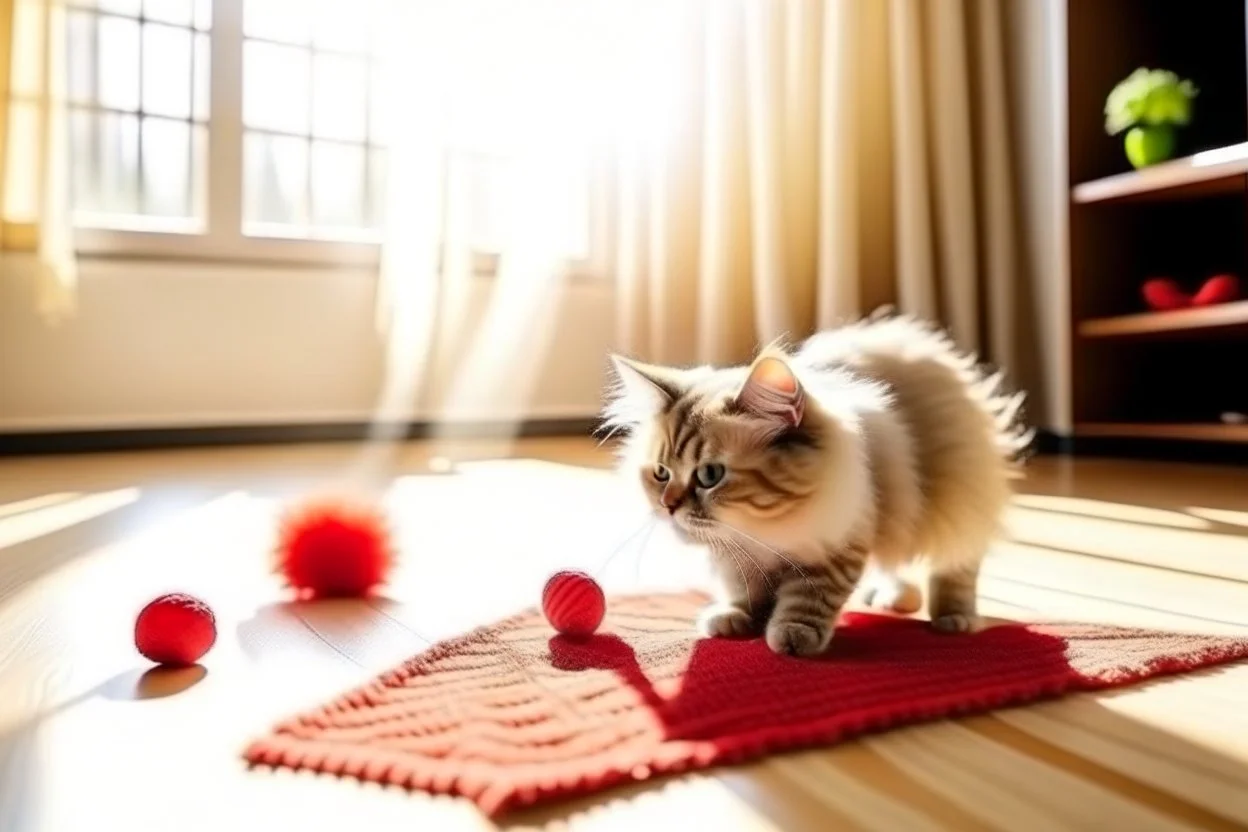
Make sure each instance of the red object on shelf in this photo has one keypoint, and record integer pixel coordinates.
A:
(1221, 288)
(510, 715)
(1163, 294)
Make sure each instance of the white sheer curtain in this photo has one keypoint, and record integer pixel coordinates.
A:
(34, 177)
(767, 167)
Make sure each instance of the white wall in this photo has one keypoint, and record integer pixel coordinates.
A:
(173, 345)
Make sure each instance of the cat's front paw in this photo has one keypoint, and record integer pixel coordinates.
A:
(955, 622)
(798, 638)
(726, 621)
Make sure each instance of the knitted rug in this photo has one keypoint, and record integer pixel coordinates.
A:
(512, 714)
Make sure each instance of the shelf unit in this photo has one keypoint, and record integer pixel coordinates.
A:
(1214, 319)
(1190, 432)
(1162, 377)
(1214, 172)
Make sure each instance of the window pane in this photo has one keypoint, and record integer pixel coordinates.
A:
(378, 112)
(166, 167)
(337, 185)
(276, 179)
(203, 14)
(169, 11)
(341, 24)
(119, 163)
(117, 67)
(81, 48)
(167, 70)
(284, 20)
(203, 72)
(275, 87)
(130, 7)
(106, 162)
(377, 196)
(487, 189)
(81, 156)
(341, 87)
(199, 171)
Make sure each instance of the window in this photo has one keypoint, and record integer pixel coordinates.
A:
(313, 132)
(137, 90)
(254, 129)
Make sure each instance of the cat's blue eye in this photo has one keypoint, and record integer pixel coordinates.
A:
(709, 474)
(661, 474)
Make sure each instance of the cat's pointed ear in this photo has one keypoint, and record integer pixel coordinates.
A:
(659, 386)
(773, 393)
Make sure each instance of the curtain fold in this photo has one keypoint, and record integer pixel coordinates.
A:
(837, 155)
(34, 162)
(771, 168)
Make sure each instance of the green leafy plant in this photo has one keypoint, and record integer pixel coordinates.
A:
(1150, 97)
(1149, 104)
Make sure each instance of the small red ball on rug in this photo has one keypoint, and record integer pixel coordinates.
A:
(334, 547)
(175, 629)
(573, 603)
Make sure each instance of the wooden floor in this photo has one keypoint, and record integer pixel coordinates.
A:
(89, 741)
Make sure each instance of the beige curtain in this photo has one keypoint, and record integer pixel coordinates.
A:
(34, 176)
(768, 167)
(828, 157)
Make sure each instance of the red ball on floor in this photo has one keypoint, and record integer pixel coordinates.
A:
(175, 629)
(573, 603)
(334, 548)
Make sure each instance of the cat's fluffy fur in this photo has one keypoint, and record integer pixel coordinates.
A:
(879, 441)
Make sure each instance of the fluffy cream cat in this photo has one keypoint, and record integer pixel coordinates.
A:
(877, 442)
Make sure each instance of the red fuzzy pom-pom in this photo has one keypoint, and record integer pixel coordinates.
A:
(573, 603)
(175, 629)
(334, 548)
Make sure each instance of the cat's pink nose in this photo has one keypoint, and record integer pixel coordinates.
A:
(672, 497)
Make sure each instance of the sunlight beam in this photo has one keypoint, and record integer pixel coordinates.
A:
(25, 527)
(32, 503)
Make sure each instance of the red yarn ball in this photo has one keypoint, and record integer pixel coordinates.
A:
(334, 548)
(573, 603)
(175, 629)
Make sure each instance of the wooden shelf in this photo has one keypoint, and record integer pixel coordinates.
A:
(1219, 317)
(1210, 173)
(1201, 432)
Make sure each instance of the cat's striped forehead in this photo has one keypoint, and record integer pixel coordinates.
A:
(684, 427)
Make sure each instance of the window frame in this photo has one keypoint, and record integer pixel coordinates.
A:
(220, 238)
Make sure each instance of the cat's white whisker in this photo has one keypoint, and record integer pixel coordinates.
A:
(641, 550)
(774, 551)
(753, 560)
(647, 524)
(744, 582)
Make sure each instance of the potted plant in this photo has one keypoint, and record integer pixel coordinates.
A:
(1149, 104)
